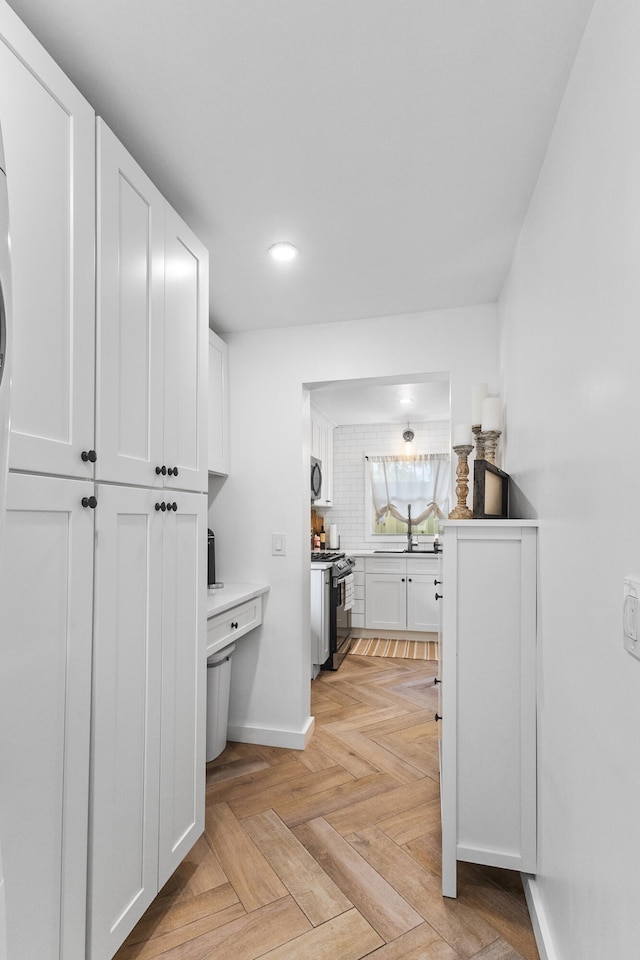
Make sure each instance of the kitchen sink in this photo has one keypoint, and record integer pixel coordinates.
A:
(415, 550)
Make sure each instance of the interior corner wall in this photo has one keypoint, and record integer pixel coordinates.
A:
(570, 346)
(267, 490)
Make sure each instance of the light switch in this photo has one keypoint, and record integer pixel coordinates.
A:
(631, 617)
(278, 544)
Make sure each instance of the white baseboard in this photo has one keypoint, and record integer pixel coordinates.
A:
(268, 737)
(539, 922)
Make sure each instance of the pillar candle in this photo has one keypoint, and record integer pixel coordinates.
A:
(490, 414)
(461, 435)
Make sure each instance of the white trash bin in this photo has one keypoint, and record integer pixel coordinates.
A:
(218, 683)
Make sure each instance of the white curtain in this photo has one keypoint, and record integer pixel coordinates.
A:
(420, 481)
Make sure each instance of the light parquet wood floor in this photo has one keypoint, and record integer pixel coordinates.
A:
(334, 853)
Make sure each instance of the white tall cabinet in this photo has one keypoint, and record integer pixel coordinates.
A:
(488, 696)
(46, 581)
(102, 587)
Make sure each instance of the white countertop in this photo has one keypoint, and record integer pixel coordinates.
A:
(223, 598)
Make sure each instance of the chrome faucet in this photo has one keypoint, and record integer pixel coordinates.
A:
(409, 534)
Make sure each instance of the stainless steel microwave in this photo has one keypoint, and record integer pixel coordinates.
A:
(316, 479)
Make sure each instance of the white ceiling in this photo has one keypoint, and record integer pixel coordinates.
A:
(383, 400)
(396, 142)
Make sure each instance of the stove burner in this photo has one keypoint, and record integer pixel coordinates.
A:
(326, 555)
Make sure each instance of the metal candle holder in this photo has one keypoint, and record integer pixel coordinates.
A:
(461, 510)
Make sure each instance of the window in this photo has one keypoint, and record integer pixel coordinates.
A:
(395, 484)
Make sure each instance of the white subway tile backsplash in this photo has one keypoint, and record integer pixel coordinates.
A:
(350, 445)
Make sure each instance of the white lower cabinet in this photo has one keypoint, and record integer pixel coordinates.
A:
(488, 696)
(399, 593)
(149, 697)
(46, 585)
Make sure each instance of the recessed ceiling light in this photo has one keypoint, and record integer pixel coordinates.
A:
(283, 251)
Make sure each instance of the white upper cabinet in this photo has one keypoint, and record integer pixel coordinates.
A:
(152, 295)
(322, 448)
(130, 318)
(186, 307)
(218, 437)
(48, 131)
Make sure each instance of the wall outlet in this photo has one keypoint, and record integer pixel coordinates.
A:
(631, 617)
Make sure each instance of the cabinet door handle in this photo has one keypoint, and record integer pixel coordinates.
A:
(89, 502)
(234, 626)
(161, 470)
(436, 680)
(89, 455)
(437, 717)
(438, 596)
(173, 471)
(172, 506)
(437, 583)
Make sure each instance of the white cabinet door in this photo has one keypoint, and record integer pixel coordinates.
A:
(46, 584)
(183, 707)
(386, 601)
(130, 318)
(186, 350)
(422, 608)
(218, 430)
(322, 448)
(123, 852)
(488, 672)
(48, 131)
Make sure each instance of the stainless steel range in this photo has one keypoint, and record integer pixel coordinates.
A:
(337, 601)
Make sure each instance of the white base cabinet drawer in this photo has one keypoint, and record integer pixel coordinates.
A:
(226, 627)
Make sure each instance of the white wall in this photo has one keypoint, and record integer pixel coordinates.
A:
(268, 488)
(570, 352)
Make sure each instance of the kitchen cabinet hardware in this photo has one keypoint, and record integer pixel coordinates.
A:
(437, 717)
(437, 583)
(161, 470)
(89, 502)
(409, 580)
(173, 471)
(161, 506)
(235, 624)
(436, 680)
(89, 455)
(172, 506)
(439, 596)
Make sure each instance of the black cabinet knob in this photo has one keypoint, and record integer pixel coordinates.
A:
(437, 717)
(436, 680)
(409, 580)
(170, 471)
(402, 580)
(161, 470)
(438, 596)
(89, 455)
(89, 502)
(437, 583)
(173, 506)
(234, 626)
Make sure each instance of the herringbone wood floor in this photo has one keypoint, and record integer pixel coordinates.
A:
(333, 853)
